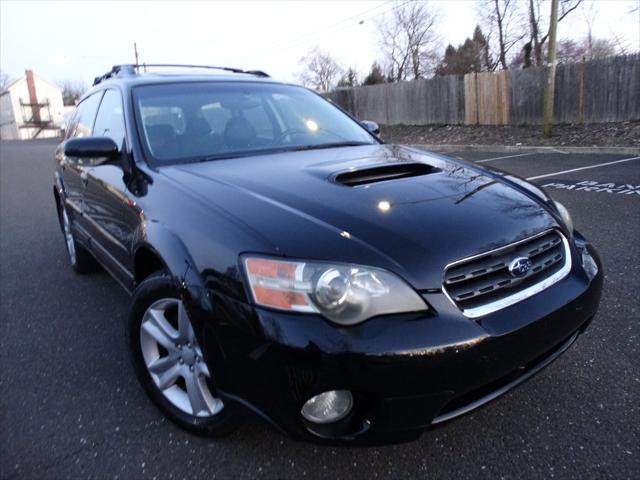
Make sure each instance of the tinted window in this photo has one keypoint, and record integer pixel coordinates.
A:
(110, 119)
(258, 117)
(195, 121)
(82, 122)
(216, 116)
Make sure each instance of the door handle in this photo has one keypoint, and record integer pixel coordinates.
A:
(84, 178)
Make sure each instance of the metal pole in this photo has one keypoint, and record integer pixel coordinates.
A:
(547, 114)
(581, 93)
(135, 51)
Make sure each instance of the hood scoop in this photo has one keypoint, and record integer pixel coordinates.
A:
(382, 173)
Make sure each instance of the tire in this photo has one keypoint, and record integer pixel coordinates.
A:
(168, 361)
(80, 259)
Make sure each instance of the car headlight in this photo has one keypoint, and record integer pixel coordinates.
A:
(589, 263)
(566, 217)
(343, 293)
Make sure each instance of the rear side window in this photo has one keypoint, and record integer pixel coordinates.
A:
(110, 119)
(81, 124)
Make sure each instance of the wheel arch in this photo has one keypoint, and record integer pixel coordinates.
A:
(58, 199)
(161, 249)
(58, 191)
(146, 261)
(56, 196)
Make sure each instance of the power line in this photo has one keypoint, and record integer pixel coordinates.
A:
(310, 34)
(300, 41)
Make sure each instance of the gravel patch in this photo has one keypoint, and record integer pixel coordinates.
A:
(619, 134)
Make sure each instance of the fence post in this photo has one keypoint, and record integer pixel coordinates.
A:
(581, 94)
(547, 111)
(475, 85)
(471, 101)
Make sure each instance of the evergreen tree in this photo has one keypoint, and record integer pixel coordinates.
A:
(471, 56)
(375, 75)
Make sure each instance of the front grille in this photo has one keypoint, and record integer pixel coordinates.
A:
(483, 284)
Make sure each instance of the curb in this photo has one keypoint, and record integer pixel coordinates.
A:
(528, 148)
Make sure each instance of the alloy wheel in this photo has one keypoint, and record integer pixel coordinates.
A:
(174, 359)
(68, 237)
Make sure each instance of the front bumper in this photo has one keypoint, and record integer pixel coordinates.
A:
(406, 372)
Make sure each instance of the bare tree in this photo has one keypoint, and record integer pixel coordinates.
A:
(603, 48)
(72, 91)
(539, 26)
(349, 78)
(573, 51)
(408, 41)
(570, 51)
(502, 20)
(590, 14)
(320, 70)
(5, 80)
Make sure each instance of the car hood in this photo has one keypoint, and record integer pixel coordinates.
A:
(413, 226)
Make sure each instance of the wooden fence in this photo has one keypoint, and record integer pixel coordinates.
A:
(486, 98)
(605, 90)
(438, 100)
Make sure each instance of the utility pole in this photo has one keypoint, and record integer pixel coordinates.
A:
(549, 93)
(135, 51)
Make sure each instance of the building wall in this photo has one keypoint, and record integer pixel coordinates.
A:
(8, 128)
(45, 90)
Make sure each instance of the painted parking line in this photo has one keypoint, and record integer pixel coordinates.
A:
(501, 158)
(558, 151)
(596, 186)
(583, 168)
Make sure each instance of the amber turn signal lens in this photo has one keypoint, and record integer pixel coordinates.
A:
(273, 284)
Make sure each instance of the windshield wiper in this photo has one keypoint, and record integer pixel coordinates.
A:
(267, 151)
(328, 145)
(229, 155)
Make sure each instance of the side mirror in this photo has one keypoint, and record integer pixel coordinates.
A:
(373, 127)
(91, 150)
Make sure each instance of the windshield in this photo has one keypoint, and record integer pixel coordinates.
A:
(208, 121)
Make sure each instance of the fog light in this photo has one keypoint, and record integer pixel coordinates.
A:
(589, 264)
(328, 407)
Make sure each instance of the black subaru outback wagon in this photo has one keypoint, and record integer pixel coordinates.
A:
(283, 260)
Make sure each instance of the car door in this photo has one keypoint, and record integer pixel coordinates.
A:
(110, 206)
(73, 171)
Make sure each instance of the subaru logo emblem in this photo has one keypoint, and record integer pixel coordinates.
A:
(519, 266)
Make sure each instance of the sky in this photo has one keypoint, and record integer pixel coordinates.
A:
(76, 41)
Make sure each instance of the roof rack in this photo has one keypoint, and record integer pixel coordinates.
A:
(116, 71)
(133, 69)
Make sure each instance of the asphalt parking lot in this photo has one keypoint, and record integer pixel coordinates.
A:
(71, 407)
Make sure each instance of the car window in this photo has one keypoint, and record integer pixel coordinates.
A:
(167, 115)
(110, 119)
(259, 119)
(216, 116)
(81, 124)
(208, 120)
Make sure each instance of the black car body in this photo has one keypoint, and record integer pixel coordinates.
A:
(443, 226)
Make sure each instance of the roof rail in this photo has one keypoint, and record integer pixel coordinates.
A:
(116, 70)
(133, 69)
(258, 73)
